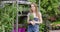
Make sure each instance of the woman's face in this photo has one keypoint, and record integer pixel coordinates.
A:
(33, 7)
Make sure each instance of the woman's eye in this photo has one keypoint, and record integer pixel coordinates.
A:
(32, 6)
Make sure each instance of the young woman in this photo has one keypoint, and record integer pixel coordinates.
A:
(33, 26)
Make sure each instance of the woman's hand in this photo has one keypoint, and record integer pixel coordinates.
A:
(32, 22)
(28, 22)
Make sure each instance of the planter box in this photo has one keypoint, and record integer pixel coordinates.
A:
(20, 30)
(14, 0)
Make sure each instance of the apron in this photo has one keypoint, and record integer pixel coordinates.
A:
(33, 28)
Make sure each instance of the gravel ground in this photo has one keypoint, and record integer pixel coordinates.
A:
(54, 30)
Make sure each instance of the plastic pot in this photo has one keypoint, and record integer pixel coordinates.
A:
(20, 30)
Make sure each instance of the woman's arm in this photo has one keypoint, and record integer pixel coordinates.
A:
(28, 18)
(40, 21)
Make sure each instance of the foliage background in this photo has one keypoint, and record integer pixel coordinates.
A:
(48, 8)
(50, 11)
(7, 15)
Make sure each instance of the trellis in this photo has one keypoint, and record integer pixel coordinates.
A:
(18, 2)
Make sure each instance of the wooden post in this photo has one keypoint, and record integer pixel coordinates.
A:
(39, 5)
(3, 28)
(13, 18)
(17, 17)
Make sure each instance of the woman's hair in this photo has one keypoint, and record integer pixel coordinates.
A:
(36, 9)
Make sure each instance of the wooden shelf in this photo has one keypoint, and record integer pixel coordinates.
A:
(19, 2)
(8, 1)
(24, 2)
(22, 15)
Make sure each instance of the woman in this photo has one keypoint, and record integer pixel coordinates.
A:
(33, 26)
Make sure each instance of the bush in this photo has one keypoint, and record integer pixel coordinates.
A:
(7, 15)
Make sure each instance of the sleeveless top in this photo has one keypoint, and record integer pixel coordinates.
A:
(35, 17)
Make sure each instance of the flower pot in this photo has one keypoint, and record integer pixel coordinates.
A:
(31, 16)
(25, 12)
(20, 30)
(14, 0)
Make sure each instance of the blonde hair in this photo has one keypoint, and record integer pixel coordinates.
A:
(36, 10)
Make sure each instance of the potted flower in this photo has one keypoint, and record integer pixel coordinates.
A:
(31, 16)
(21, 28)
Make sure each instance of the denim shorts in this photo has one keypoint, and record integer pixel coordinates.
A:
(33, 28)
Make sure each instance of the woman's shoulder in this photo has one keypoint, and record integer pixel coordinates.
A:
(39, 12)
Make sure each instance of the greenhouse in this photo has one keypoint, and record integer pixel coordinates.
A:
(14, 14)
